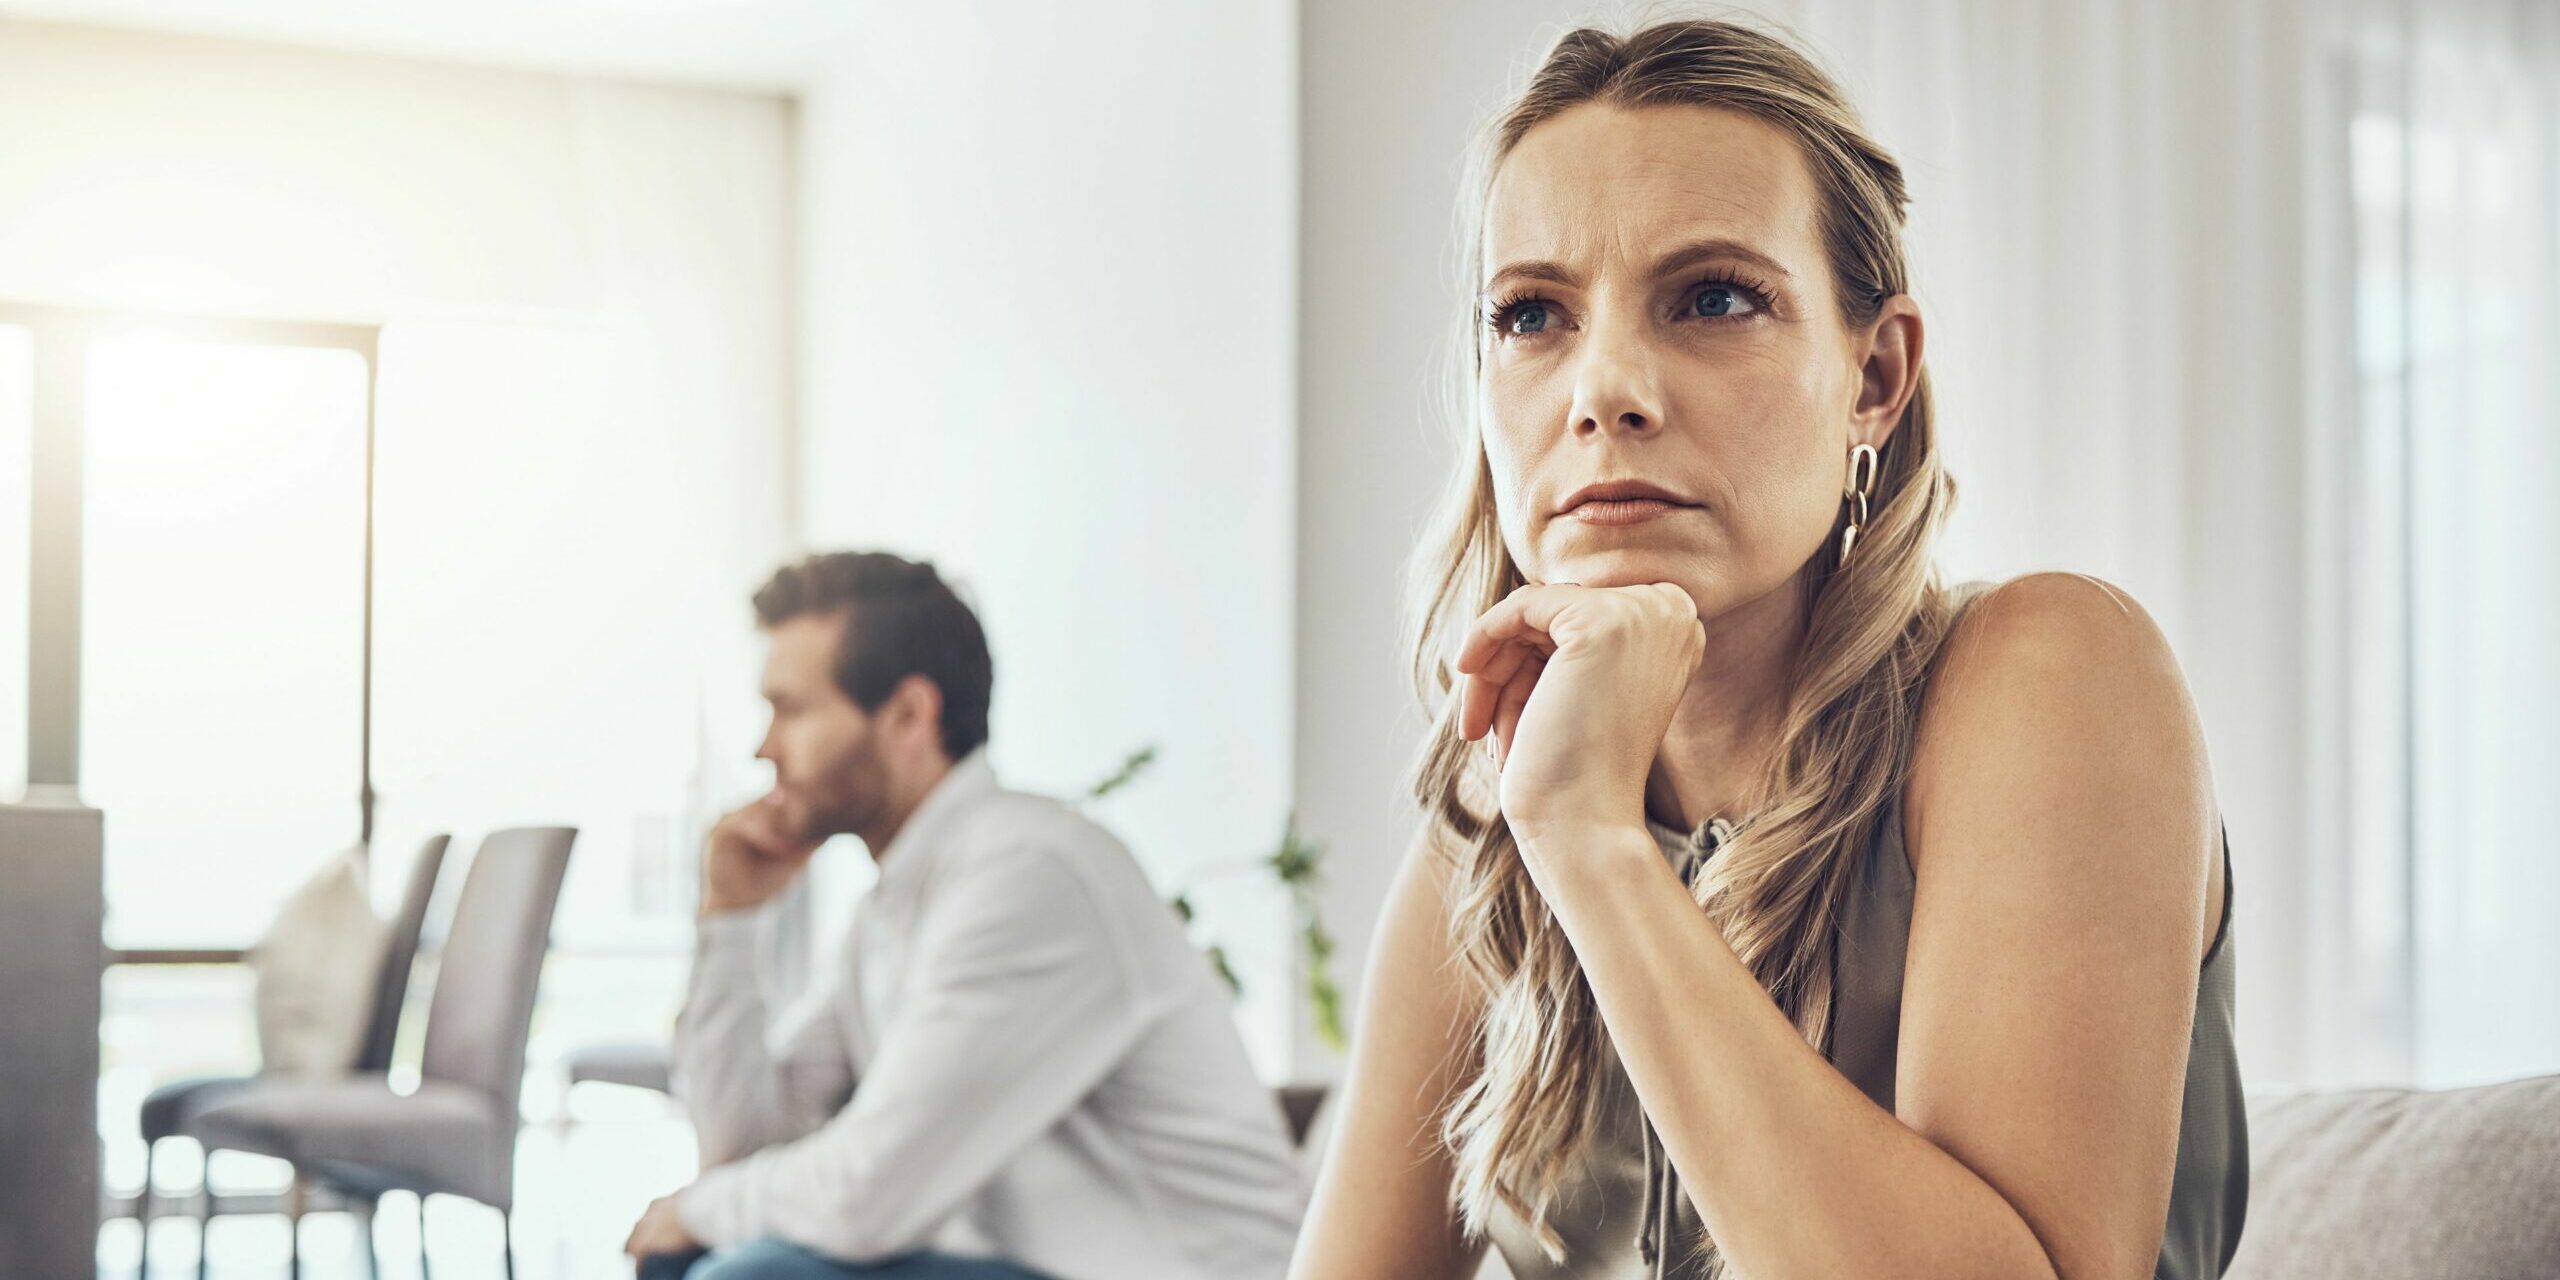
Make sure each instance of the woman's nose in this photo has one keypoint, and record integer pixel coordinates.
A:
(1616, 386)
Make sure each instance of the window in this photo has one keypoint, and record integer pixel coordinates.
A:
(483, 603)
(222, 627)
(508, 621)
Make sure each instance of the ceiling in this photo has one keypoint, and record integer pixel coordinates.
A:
(764, 45)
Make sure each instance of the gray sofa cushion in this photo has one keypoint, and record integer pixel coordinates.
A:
(2398, 1183)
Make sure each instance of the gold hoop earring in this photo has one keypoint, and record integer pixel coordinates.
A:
(1863, 464)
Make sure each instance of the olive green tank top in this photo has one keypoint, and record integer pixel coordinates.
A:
(1623, 1216)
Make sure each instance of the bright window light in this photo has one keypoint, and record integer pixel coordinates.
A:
(221, 636)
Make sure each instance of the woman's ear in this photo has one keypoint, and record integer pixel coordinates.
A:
(1889, 370)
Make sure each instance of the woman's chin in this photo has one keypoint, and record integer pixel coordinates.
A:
(1627, 568)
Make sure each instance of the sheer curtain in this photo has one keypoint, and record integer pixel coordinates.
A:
(2250, 308)
(2446, 588)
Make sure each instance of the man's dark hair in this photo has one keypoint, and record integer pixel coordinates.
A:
(900, 619)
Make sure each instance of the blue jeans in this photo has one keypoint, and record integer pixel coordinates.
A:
(775, 1260)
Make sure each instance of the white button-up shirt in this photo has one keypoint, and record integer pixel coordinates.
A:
(1025, 1058)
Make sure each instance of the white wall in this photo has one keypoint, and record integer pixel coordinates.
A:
(2117, 349)
(1050, 261)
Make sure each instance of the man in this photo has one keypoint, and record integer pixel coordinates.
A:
(1024, 1070)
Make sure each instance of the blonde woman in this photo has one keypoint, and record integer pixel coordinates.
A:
(1778, 911)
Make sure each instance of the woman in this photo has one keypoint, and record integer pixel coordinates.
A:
(1807, 918)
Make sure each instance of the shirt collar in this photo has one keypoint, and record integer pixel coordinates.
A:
(970, 778)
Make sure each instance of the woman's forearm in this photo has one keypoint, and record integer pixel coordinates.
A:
(1794, 1170)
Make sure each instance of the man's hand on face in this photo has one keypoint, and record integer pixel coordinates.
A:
(753, 854)
(660, 1231)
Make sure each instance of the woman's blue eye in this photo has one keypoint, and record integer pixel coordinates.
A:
(1529, 317)
(1718, 301)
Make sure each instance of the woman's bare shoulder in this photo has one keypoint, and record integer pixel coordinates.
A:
(2043, 632)
(2056, 704)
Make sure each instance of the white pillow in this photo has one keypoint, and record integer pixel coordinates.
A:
(316, 971)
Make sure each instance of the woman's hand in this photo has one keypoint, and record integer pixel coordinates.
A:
(1576, 686)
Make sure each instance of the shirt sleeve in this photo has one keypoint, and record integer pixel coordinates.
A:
(1019, 1006)
(746, 1083)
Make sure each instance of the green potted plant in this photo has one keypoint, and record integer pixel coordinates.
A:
(1297, 865)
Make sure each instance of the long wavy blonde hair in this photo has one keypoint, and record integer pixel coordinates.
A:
(1527, 1104)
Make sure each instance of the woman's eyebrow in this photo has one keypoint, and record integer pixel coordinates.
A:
(1531, 269)
(1697, 251)
(1677, 260)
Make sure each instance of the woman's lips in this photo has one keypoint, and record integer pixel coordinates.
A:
(1623, 511)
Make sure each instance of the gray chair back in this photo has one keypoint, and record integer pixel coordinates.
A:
(491, 963)
(400, 956)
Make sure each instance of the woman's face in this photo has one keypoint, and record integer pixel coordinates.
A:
(1659, 316)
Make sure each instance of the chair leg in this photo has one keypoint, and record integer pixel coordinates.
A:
(142, 1212)
(204, 1229)
(507, 1240)
(363, 1209)
(422, 1236)
(293, 1228)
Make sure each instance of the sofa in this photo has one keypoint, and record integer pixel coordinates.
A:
(2373, 1184)
(2365, 1184)
(2351, 1184)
